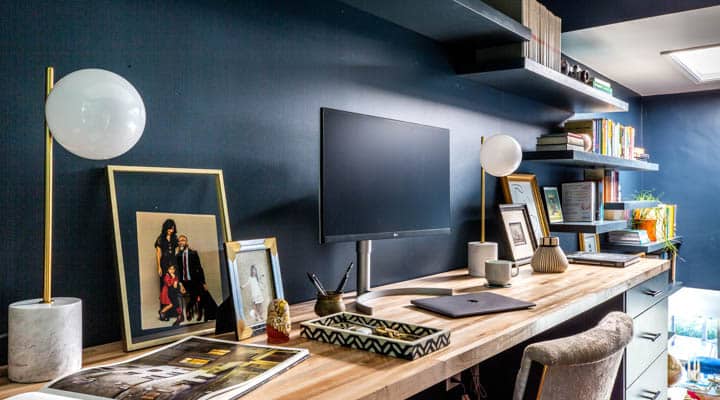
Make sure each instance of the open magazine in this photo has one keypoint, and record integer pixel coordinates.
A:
(193, 368)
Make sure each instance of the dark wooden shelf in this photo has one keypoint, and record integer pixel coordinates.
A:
(586, 159)
(630, 205)
(470, 22)
(643, 248)
(589, 227)
(528, 78)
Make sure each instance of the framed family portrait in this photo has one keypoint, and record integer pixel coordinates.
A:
(518, 232)
(523, 189)
(169, 225)
(553, 205)
(255, 280)
(589, 242)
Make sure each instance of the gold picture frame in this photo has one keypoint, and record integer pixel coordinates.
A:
(141, 198)
(593, 239)
(523, 189)
(249, 320)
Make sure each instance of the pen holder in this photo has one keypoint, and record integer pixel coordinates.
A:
(329, 303)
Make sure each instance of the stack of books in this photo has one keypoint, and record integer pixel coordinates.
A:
(609, 137)
(543, 47)
(666, 217)
(629, 236)
(601, 84)
(640, 154)
(560, 141)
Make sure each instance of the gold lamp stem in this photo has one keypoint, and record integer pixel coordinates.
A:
(482, 197)
(47, 273)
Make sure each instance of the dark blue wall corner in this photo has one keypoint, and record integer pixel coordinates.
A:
(237, 87)
(681, 133)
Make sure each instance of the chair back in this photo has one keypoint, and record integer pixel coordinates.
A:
(582, 366)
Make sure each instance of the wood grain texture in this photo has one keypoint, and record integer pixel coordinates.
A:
(334, 372)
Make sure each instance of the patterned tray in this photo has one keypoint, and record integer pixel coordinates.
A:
(345, 329)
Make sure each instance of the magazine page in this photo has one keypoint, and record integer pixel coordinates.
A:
(195, 368)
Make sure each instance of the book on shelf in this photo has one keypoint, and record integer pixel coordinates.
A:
(609, 137)
(603, 259)
(575, 140)
(665, 216)
(545, 43)
(610, 185)
(559, 147)
(579, 201)
(629, 236)
(601, 84)
(193, 368)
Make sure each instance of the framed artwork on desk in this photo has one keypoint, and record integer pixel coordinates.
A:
(589, 242)
(518, 232)
(170, 225)
(523, 189)
(553, 205)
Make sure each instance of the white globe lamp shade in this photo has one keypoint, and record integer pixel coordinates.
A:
(95, 114)
(500, 155)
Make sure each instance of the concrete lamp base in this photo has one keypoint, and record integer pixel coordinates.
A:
(44, 339)
(478, 253)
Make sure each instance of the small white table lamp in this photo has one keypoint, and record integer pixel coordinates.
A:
(93, 114)
(500, 156)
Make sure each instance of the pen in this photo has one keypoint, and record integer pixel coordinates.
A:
(314, 279)
(341, 285)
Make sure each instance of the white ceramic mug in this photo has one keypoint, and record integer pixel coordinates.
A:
(478, 253)
(499, 272)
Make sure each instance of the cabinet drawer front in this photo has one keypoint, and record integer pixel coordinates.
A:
(644, 295)
(649, 340)
(652, 384)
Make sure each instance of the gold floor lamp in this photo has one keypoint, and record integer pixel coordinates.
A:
(94, 114)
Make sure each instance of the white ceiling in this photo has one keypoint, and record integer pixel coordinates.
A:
(629, 52)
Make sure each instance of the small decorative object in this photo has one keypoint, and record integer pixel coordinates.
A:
(589, 242)
(549, 257)
(674, 369)
(499, 272)
(278, 322)
(254, 281)
(93, 114)
(500, 155)
(552, 202)
(518, 232)
(523, 189)
(587, 142)
(329, 303)
(391, 338)
(169, 250)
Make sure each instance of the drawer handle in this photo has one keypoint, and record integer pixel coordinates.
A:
(651, 336)
(653, 293)
(652, 395)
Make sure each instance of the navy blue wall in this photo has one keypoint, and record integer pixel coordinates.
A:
(237, 87)
(682, 135)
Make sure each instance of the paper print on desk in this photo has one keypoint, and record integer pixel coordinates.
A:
(194, 369)
(523, 189)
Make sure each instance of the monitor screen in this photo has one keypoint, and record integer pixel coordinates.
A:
(382, 178)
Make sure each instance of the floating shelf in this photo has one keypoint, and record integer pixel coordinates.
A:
(589, 227)
(470, 22)
(643, 248)
(528, 78)
(630, 205)
(586, 159)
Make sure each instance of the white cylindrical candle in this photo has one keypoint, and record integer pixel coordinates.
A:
(478, 253)
(44, 339)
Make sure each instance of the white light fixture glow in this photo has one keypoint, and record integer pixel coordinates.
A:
(701, 64)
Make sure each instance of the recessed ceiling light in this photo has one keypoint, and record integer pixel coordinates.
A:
(701, 64)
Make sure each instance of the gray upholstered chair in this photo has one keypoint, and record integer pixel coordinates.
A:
(583, 366)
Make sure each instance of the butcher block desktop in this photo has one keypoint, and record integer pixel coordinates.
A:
(334, 372)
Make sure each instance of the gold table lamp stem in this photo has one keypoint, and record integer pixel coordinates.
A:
(47, 272)
(482, 197)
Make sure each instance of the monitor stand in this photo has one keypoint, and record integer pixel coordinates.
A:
(364, 250)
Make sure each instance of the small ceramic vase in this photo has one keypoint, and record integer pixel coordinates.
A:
(549, 257)
(329, 303)
(278, 322)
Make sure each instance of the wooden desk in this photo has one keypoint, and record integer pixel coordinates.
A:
(334, 372)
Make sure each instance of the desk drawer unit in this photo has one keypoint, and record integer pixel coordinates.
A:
(644, 295)
(652, 385)
(649, 340)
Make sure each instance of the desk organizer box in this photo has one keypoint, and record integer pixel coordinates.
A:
(428, 341)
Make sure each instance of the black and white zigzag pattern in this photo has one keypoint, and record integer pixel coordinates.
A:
(410, 351)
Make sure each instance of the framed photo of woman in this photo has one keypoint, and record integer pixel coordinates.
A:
(169, 226)
(254, 272)
(523, 189)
